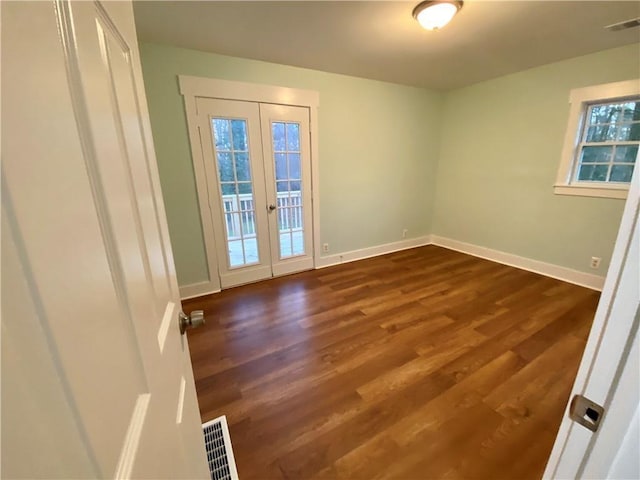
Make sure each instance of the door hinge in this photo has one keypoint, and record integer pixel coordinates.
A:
(586, 412)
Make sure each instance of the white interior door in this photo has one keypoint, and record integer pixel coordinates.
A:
(96, 378)
(609, 373)
(258, 168)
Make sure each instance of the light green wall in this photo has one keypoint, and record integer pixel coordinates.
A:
(500, 149)
(476, 164)
(378, 151)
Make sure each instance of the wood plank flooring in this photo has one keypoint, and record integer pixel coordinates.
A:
(425, 363)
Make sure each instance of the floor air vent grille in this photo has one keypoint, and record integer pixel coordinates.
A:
(217, 440)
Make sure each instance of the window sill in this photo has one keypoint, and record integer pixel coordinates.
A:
(589, 191)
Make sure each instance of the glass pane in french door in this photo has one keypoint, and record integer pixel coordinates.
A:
(234, 175)
(286, 152)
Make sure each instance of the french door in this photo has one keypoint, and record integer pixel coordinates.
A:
(258, 167)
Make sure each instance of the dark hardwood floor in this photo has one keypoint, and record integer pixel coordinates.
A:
(425, 363)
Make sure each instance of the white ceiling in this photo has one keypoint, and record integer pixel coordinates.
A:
(381, 40)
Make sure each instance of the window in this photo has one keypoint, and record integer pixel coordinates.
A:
(610, 140)
(602, 140)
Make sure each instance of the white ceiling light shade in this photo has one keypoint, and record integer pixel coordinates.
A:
(435, 14)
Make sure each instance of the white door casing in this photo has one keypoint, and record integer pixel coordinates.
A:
(96, 378)
(609, 372)
(195, 88)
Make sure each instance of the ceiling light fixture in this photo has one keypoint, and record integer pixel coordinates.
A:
(435, 14)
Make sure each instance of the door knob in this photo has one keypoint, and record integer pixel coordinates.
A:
(272, 207)
(193, 320)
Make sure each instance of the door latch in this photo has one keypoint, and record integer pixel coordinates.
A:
(193, 320)
(585, 412)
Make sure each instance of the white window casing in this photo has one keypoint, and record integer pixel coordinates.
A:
(579, 100)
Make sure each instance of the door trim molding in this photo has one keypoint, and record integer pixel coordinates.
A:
(192, 88)
(197, 160)
(573, 447)
(249, 92)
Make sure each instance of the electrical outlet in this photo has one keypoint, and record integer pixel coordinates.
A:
(404, 233)
(595, 262)
(325, 247)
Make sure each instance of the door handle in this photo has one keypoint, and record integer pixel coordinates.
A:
(193, 320)
(271, 207)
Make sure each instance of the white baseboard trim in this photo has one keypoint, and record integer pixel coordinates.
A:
(199, 289)
(369, 252)
(588, 280)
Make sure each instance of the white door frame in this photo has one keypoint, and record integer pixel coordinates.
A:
(608, 352)
(193, 87)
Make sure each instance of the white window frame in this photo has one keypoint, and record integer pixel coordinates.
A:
(579, 100)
